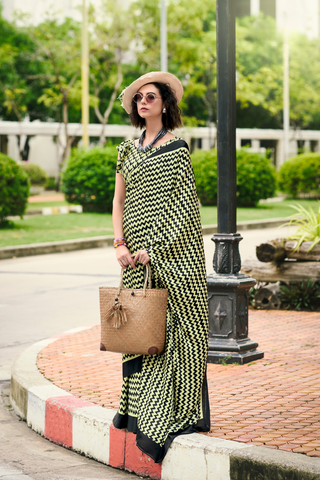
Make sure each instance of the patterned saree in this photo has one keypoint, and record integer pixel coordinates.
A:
(166, 395)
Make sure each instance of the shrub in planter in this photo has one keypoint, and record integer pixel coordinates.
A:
(89, 178)
(14, 188)
(256, 177)
(37, 176)
(301, 174)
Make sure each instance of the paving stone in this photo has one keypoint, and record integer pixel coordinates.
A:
(274, 399)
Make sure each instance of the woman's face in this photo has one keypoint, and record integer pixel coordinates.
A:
(146, 109)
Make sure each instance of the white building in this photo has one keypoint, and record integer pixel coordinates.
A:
(300, 15)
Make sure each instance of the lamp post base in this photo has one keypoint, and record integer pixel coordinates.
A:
(225, 356)
(228, 319)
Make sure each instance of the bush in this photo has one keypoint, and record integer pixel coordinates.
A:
(89, 178)
(51, 184)
(301, 174)
(256, 177)
(14, 188)
(37, 176)
(204, 164)
(300, 295)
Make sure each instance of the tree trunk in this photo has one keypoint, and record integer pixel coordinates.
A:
(271, 251)
(102, 139)
(268, 297)
(65, 121)
(287, 271)
(106, 115)
(302, 253)
(26, 148)
(19, 147)
(65, 147)
(279, 249)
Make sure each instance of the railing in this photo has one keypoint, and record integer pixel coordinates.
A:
(204, 138)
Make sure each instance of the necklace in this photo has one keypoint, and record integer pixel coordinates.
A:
(148, 147)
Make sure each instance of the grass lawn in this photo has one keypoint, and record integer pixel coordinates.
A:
(264, 211)
(49, 228)
(80, 225)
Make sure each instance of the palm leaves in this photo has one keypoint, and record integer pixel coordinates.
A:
(309, 226)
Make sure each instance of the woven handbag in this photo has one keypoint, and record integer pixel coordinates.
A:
(133, 320)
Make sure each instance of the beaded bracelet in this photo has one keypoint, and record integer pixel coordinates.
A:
(116, 245)
(117, 239)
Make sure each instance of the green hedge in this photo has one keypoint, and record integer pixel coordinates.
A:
(14, 188)
(204, 164)
(256, 177)
(301, 174)
(51, 184)
(89, 178)
(37, 176)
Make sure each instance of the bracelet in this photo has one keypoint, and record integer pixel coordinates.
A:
(116, 245)
(117, 239)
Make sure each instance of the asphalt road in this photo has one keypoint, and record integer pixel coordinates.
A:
(42, 296)
(24, 455)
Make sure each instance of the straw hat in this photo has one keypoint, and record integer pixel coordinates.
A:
(160, 77)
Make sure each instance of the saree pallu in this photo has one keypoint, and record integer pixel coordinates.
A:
(166, 395)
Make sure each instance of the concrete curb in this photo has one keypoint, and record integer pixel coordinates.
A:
(52, 211)
(87, 429)
(56, 247)
(107, 241)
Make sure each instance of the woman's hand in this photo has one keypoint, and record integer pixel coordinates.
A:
(142, 257)
(124, 257)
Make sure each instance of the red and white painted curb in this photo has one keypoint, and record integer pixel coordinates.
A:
(87, 428)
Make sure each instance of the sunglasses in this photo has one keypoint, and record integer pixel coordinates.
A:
(150, 97)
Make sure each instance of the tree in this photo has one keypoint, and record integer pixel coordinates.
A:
(191, 53)
(259, 67)
(20, 71)
(59, 47)
(260, 76)
(304, 82)
(114, 36)
(40, 66)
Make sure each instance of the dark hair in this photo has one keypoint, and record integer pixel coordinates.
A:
(171, 119)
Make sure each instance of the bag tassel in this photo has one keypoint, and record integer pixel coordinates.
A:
(117, 311)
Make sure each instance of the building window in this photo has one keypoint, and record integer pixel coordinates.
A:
(243, 8)
(268, 7)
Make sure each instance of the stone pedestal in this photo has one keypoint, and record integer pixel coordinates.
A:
(228, 319)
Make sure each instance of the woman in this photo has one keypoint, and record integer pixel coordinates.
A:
(156, 218)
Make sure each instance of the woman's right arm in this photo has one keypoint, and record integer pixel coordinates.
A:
(122, 253)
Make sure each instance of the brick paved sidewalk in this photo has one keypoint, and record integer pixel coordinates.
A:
(273, 402)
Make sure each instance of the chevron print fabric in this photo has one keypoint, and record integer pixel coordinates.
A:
(166, 395)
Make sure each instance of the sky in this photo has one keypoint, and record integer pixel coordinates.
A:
(300, 15)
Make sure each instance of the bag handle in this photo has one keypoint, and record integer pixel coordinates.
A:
(146, 282)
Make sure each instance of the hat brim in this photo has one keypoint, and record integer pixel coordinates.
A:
(160, 77)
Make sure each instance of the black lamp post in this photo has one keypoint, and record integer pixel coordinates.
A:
(228, 289)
